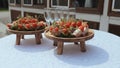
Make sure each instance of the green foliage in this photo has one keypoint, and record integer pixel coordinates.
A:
(3, 9)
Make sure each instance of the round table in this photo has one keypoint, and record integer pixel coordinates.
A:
(102, 52)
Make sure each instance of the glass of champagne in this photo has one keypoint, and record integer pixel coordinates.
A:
(48, 14)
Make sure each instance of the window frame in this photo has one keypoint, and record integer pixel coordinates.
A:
(12, 3)
(28, 4)
(110, 12)
(55, 6)
(98, 10)
(114, 9)
(39, 3)
(16, 1)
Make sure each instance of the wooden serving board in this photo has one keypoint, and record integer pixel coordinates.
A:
(20, 35)
(59, 41)
(26, 32)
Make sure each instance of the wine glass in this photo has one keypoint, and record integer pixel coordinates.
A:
(56, 15)
(64, 13)
(72, 13)
(51, 13)
(67, 14)
(61, 13)
(48, 16)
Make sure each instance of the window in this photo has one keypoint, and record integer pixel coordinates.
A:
(89, 6)
(114, 8)
(18, 1)
(12, 2)
(60, 3)
(38, 2)
(116, 5)
(28, 2)
(85, 3)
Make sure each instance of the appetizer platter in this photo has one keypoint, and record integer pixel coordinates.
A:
(27, 26)
(69, 31)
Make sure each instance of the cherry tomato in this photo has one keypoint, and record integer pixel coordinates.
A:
(9, 25)
(56, 29)
(79, 23)
(82, 28)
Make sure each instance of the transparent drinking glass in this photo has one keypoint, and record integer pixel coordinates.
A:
(61, 13)
(51, 16)
(67, 14)
(56, 14)
(48, 14)
(64, 13)
(72, 13)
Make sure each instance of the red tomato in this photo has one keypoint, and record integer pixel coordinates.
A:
(56, 29)
(22, 21)
(27, 21)
(20, 26)
(9, 25)
(33, 20)
(51, 28)
(64, 30)
(82, 28)
(79, 23)
(67, 25)
(73, 24)
(34, 25)
(27, 26)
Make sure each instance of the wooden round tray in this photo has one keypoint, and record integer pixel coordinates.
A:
(26, 32)
(59, 41)
(76, 39)
(20, 35)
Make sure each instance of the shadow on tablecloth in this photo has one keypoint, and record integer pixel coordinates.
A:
(29, 45)
(93, 56)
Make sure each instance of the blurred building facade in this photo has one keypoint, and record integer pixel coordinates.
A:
(99, 13)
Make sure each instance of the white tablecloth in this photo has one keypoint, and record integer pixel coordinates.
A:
(102, 52)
